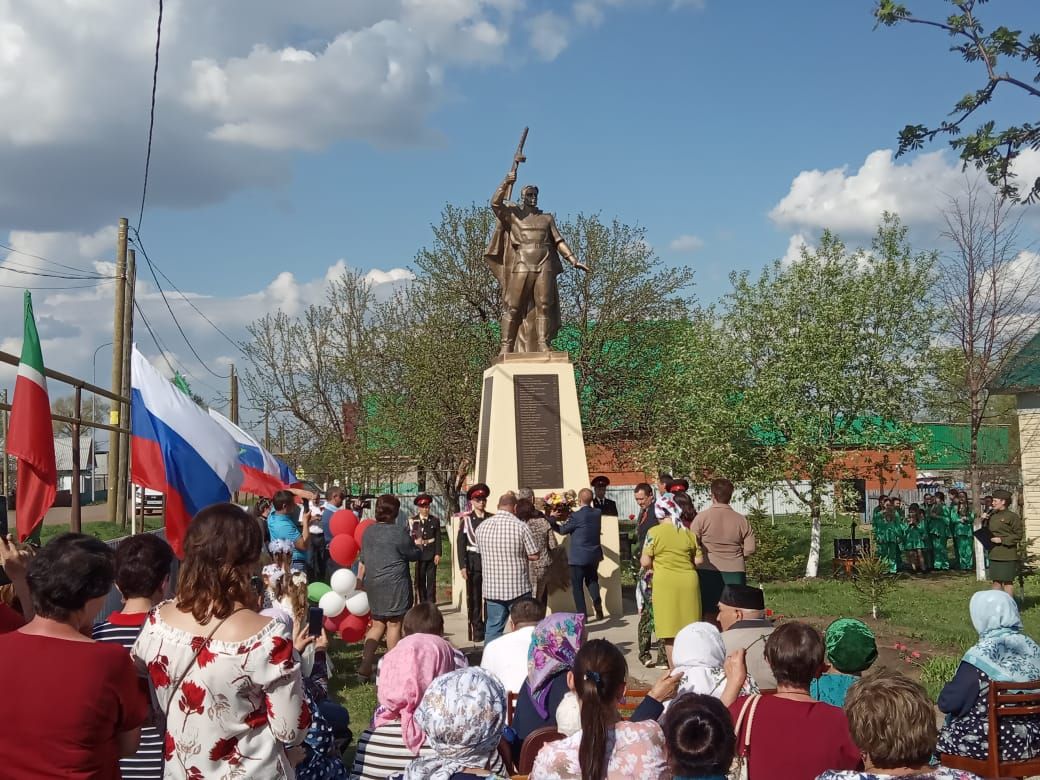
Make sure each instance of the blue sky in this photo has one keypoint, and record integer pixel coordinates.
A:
(689, 122)
(690, 118)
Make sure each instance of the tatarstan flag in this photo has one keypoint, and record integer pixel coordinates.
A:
(30, 438)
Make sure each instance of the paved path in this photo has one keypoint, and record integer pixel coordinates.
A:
(621, 631)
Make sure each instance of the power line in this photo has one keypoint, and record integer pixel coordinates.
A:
(69, 287)
(169, 308)
(155, 339)
(155, 268)
(151, 117)
(80, 278)
(41, 258)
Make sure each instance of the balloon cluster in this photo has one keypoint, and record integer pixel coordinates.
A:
(346, 608)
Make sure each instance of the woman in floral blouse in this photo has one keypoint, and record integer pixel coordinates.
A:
(607, 747)
(227, 678)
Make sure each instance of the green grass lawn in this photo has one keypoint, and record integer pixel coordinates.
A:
(105, 529)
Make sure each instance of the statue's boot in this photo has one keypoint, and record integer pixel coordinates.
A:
(510, 326)
(541, 330)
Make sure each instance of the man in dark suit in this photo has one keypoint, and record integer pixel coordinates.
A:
(599, 499)
(585, 552)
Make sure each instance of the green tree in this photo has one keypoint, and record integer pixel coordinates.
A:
(988, 147)
(987, 290)
(620, 321)
(89, 412)
(802, 364)
(315, 374)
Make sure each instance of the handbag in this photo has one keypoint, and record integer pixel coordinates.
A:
(738, 770)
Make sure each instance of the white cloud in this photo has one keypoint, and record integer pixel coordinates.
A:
(917, 190)
(74, 322)
(795, 245)
(547, 34)
(686, 243)
(243, 86)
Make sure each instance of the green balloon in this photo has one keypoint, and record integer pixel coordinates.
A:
(316, 590)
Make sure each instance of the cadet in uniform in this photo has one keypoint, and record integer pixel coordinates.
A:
(599, 498)
(469, 558)
(426, 532)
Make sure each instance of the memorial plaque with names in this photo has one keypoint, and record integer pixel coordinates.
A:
(539, 446)
(485, 431)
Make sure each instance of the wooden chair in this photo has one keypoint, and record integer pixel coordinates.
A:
(505, 752)
(1006, 699)
(633, 697)
(535, 741)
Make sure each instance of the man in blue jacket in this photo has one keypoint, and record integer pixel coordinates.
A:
(585, 553)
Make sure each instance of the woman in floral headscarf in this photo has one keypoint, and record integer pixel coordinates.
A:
(396, 738)
(671, 552)
(554, 643)
(463, 714)
(554, 646)
(1003, 654)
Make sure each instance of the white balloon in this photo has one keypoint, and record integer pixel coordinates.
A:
(332, 604)
(358, 604)
(344, 582)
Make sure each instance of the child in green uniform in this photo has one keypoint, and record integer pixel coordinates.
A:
(886, 534)
(938, 525)
(899, 534)
(964, 533)
(914, 538)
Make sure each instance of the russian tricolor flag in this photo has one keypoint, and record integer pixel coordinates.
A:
(261, 471)
(178, 449)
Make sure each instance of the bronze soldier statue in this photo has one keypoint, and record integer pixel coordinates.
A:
(524, 255)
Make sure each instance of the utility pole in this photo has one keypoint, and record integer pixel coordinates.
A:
(125, 495)
(267, 427)
(118, 351)
(233, 412)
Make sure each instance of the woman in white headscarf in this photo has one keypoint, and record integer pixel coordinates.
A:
(1003, 654)
(698, 657)
(462, 715)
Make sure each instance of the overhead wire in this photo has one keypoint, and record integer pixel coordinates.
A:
(78, 269)
(67, 287)
(154, 267)
(151, 117)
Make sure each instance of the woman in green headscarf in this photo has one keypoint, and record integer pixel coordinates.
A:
(851, 650)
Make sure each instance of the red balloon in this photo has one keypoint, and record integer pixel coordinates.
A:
(336, 623)
(343, 521)
(363, 526)
(353, 628)
(344, 550)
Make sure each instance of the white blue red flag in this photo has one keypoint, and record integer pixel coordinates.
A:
(261, 471)
(178, 449)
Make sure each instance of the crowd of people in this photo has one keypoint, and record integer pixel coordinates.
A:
(225, 679)
(939, 536)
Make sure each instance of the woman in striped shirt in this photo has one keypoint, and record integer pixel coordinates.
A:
(142, 575)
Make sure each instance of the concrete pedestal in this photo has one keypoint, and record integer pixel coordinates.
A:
(530, 436)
